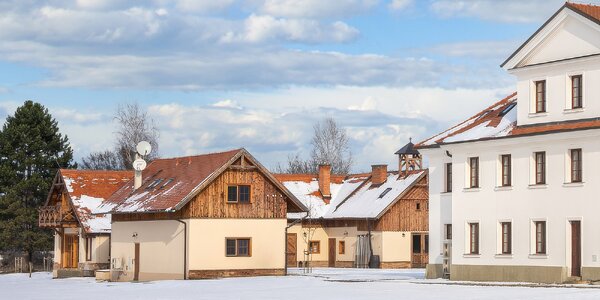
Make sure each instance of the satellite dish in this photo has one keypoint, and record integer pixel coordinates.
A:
(143, 148)
(139, 164)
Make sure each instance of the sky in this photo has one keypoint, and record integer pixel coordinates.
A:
(258, 74)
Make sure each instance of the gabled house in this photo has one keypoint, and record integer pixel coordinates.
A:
(81, 236)
(513, 188)
(377, 219)
(205, 216)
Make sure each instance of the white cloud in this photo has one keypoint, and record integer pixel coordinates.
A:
(315, 8)
(369, 104)
(400, 4)
(228, 103)
(511, 11)
(264, 28)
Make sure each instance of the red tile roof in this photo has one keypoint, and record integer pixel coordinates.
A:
(592, 11)
(178, 178)
(88, 191)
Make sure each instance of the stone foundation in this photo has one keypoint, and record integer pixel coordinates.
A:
(209, 274)
(509, 273)
(396, 265)
(433, 271)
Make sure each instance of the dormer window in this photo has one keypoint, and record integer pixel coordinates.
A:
(540, 96)
(576, 91)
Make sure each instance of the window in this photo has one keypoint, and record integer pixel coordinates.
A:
(238, 194)
(576, 168)
(418, 206)
(506, 170)
(540, 168)
(154, 183)
(540, 237)
(473, 238)
(314, 247)
(449, 177)
(342, 247)
(88, 249)
(506, 237)
(448, 231)
(576, 91)
(387, 190)
(238, 247)
(540, 96)
(474, 172)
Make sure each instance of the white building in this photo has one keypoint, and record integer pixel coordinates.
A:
(513, 190)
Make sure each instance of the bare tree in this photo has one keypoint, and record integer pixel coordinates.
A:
(102, 160)
(133, 126)
(330, 145)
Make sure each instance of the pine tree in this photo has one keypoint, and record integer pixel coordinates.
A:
(31, 150)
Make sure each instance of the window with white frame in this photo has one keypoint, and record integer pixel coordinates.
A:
(576, 91)
(505, 170)
(506, 237)
(473, 231)
(575, 165)
(539, 237)
(473, 164)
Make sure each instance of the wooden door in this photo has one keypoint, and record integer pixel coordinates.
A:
(420, 249)
(576, 248)
(70, 251)
(136, 273)
(332, 253)
(292, 251)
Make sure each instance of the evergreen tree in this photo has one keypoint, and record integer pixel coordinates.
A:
(31, 150)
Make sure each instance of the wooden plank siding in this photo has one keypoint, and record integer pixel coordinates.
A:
(266, 201)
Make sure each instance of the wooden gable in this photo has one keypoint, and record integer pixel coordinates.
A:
(404, 215)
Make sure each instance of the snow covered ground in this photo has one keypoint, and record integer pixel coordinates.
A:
(344, 284)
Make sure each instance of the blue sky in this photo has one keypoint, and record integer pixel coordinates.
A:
(258, 73)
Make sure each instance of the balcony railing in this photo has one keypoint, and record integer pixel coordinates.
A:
(50, 216)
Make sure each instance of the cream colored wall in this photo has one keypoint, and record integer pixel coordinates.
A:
(161, 248)
(347, 234)
(57, 248)
(207, 243)
(101, 246)
(395, 247)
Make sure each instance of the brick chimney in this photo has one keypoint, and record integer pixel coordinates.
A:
(324, 182)
(378, 174)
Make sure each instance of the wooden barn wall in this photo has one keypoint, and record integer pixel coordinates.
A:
(403, 215)
(266, 201)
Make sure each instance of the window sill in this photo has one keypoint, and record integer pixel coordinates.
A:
(446, 193)
(538, 115)
(537, 186)
(538, 256)
(503, 188)
(573, 110)
(473, 189)
(471, 255)
(573, 184)
(503, 256)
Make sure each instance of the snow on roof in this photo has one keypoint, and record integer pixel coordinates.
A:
(352, 197)
(371, 201)
(89, 190)
(495, 121)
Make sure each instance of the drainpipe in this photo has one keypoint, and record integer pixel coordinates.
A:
(370, 245)
(184, 248)
(286, 244)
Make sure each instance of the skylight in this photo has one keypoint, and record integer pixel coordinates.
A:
(507, 109)
(385, 192)
(154, 183)
(167, 182)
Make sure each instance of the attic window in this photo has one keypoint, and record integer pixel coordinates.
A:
(385, 192)
(507, 109)
(167, 182)
(483, 114)
(154, 183)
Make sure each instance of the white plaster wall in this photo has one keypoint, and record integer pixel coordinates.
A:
(557, 202)
(440, 202)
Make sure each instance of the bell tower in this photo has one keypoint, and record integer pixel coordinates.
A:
(409, 159)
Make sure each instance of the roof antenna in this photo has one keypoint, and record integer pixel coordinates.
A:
(142, 149)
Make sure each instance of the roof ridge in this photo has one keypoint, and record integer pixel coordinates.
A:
(420, 144)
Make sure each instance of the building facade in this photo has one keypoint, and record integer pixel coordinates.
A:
(513, 188)
(206, 216)
(81, 236)
(377, 219)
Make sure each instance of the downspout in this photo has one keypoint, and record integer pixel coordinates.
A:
(286, 242)
(184, 248)
(370, 244)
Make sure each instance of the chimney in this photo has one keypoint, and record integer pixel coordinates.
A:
(324, 182)
(137, 179)
(378, 174)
